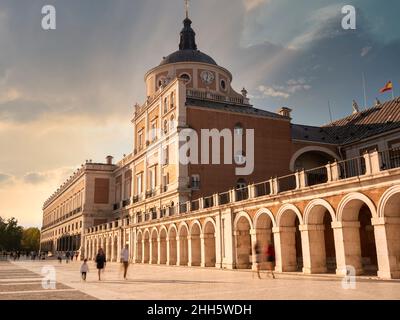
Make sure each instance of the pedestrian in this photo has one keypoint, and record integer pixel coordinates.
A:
(100, 261)
(84, 269)
(125, 259)
(257, 252)
(271, 258)
(76, 256)
(59, 257)
(67, 257)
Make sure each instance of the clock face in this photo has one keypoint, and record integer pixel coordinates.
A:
(207, 77)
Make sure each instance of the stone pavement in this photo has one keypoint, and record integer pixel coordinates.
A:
(19, 283)
(21, 280)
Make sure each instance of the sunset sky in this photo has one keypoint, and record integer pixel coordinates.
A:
(67, 95)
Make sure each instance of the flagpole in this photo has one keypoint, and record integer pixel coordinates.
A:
(365, 91)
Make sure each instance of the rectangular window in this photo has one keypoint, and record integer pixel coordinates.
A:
(195, 182)
(140, 140)
(165, 156)
(153, 133)
(139, 184)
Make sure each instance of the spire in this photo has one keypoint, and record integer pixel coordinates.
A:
(187, 8)
(188, 36)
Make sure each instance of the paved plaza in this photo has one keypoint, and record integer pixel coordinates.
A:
(23, 280)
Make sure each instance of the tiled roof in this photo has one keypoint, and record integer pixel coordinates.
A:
(358, 126)
(249, 110)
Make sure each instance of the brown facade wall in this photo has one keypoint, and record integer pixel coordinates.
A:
(272, 149)
(101, 190)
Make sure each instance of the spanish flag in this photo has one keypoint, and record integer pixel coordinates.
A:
(388, 87)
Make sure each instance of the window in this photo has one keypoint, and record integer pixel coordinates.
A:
(165, 181)
(195, 182)
(172, 123)
(165, 126)
(238, 129)
(240, 158)
(153, 133)
(139, 184)
(165, 105)
(140, 140)
(185, 76)
(172, 100)
(223, 85)
(165, 158)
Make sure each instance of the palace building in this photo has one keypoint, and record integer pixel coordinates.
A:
(327, 197)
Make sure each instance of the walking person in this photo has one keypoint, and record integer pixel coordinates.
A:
(125, 259)
(76, 256)
(100, 261)
(84, 269)
(67, 257)
(270, 253)
(257, 252)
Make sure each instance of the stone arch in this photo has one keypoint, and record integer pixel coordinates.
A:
(320, 245)
(355, 213)
(183, 248)
(240, 215)
(304, 150)
(290, 254)
(154, 246)
(146, 246)
(172, 258)
(388, 233)
(163, 234)
(264, 221)
(243, 225)
(209, 229)
(195, 243)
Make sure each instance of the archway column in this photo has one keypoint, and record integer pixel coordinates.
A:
(168, 251)
(202, 250)
(313, 248)
(285, 249)
(158, 250)
(347, 246)
(107, 249)
(387, 238)
(143, 249)
(218, 244)
(178, 250)
(253, 237)
(189, 239)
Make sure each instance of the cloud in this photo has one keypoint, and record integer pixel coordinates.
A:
(35, 178)
(250, 5)
(272, 92)
(292, 86)
(365, 51)
(5, 178)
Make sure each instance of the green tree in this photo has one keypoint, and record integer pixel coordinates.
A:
(30, 239)
(10, 234)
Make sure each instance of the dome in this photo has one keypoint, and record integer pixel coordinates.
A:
(188, 56)
(187, 48)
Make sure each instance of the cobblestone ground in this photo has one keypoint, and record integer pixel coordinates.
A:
(22, 280)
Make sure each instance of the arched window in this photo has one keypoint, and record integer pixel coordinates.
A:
(238, 129)
(172, 123)
(165, 126)
(240, 158)
(165, 104)
(186, 77)
(241, 184)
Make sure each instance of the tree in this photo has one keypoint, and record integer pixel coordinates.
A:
(10, 234)
(30, 239)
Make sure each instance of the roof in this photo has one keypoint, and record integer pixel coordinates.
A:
(382, 118)
(245, 109)
(188, 56)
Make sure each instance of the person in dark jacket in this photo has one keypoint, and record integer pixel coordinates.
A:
(100, 261)
(270, 253)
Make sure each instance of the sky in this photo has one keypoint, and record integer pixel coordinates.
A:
(67, 95)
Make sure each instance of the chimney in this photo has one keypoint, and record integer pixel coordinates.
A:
(109, 159)
(285, 112)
